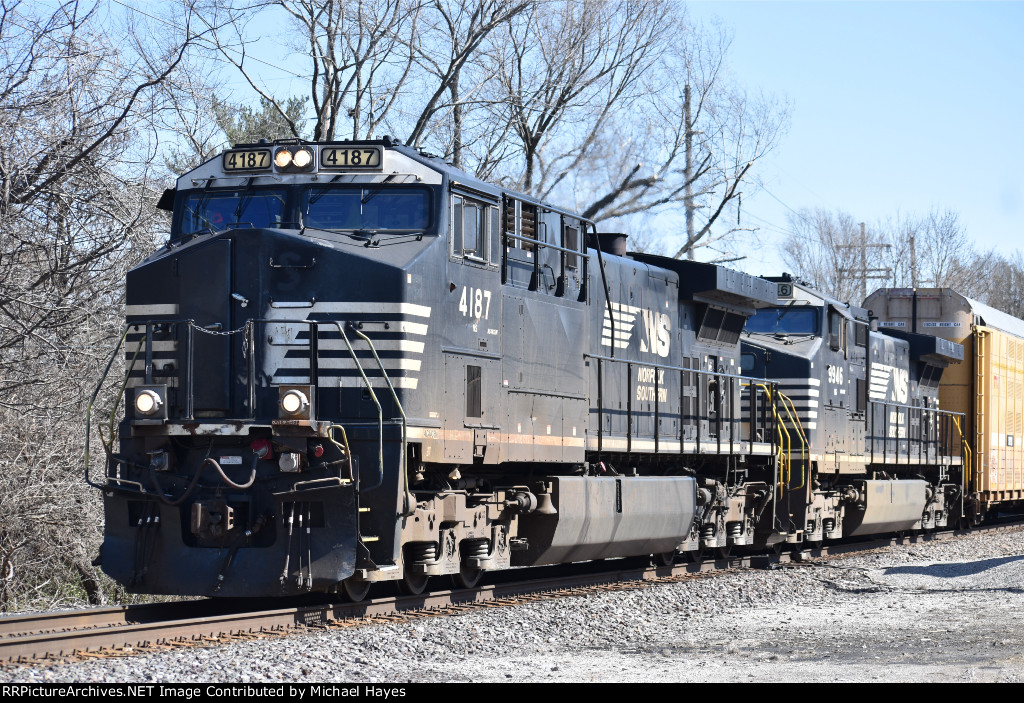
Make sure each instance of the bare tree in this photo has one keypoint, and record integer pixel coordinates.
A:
(189, 115)
(832, 251)
(378, 63)
(76, 208)
(361, 56)
(689, 143)
(452, 34)
(933, 250)
(619, 107)
(994, 279)
(643, 120)
(224, 124)
(563, 69)
(1006, 285)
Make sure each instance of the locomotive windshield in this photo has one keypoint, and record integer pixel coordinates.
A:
(787, 320)
(375, 207)
(219, 209)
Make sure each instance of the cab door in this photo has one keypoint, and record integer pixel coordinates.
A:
(474, 400)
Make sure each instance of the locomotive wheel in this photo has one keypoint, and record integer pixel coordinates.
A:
(723, 552)
(664, 559)
(468, 577)
(696, 556)
(413, 584)
(355, 591)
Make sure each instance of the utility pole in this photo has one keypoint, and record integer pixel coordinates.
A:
(688, 171)
(913, 264)
(863, 271)
(863, 264)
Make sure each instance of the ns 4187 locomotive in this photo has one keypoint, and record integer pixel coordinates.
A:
(352, 363)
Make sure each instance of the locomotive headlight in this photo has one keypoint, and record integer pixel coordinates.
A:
(150, 402)
(295, 402)
(302, 158)
(294, 158)
(147, 402)
(283, 158)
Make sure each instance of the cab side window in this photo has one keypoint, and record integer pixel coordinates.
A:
(836, 331)
(571, 241)
(474, 230)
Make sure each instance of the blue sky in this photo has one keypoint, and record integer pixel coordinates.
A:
(898, 107)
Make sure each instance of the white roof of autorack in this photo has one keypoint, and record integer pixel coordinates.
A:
(990, 317)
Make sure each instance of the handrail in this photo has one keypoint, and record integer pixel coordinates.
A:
(546, 245)
(667, 367)
(380, 410)
(607, 294)
(966, 447)
(980, 337)
(735, 415)
(794, 417)
(248, 327)
(785, 455)
(785, 449)
(410, 506)
(345, 450)
(117, 403)
(538, 244)
(871, 437)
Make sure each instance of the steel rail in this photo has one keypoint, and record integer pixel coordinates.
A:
(24, 638)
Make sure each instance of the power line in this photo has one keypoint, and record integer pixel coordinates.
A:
(779, 201)
(771, 226)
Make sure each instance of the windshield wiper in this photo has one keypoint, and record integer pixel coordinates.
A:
(374, 192)
(204, 196)
(321, 193)
(245, 197)
(785, 312)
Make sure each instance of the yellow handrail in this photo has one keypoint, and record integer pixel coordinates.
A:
(967, 451)
(785, 455)
(979, 394)
(795, 419)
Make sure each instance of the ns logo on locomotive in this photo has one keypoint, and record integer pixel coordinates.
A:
(352, 363)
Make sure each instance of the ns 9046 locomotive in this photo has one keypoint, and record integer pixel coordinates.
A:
(352, 363)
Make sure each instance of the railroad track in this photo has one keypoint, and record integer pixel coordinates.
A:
(122, 631)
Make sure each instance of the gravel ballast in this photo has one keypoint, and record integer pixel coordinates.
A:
(950, 610)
